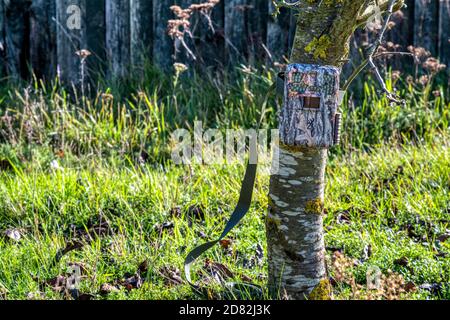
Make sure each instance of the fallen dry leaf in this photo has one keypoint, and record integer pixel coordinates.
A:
(132, 282)
(60, 153)
(5, 165)
(410, 287)
(3, 293)
(84, 297)
(433, 288)
(444, 237)
(81, 237)
(226, 243)
(107, 288)
(402, 262)
(196, 212)
(166, 226)
(246, 278)
(38, 295)
(13, 234)
(343, 218)
(143, 267)
(259, 254)
(78, 265)
(175, 212)
(171, 276)
(57, 284)
(218, 269)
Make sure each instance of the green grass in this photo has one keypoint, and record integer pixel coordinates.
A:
(387, 186)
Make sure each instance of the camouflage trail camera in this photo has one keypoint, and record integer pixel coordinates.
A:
(309, 116)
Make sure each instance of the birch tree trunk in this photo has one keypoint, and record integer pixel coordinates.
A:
(296, 250)
(118, 37)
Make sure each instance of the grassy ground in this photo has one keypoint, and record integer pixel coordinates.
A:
(94, 174)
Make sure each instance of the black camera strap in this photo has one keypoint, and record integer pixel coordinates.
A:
(238, 214)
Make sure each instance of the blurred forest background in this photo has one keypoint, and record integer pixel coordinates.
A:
(125, 35)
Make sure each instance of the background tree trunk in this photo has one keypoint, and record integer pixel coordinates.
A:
(211, 51)
(276, 33)
(141, 15)
(426, 26)
(118, 37)
(17, 28)
(235, 29)
(296, 250)
(2, 40)
(69, 40)
(444, 33)
(95, 33)
(33, 40)
(43, 38)
(256, 17)
(163, 48)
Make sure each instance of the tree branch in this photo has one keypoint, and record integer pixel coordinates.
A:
(382, 6)
(364, 64)
(297, 5)
(372, 54)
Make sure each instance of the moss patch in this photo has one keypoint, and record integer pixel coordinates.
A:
(322, 291)
(315, 206)
(318, 47)
(273, 222)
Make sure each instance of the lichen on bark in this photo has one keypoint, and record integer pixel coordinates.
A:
(322, 291)
(315, 206)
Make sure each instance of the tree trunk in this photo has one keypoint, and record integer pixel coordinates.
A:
(295, 234)
(235, 29)
(444, 33)
(95, 33)
(70, 38)
(43, 38)
(181, 53)
(141, 12)
(163, 48)
(256, 17)
(16, 37)
(118, 37)
(425, 26)
(295, 241)
(211, 51)
(278, 33)
(2, 40)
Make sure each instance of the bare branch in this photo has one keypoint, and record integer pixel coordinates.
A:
(289, 4)
(391, 96)
(378, 6)
(296, 5)
(364, 64)
(371, 54)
